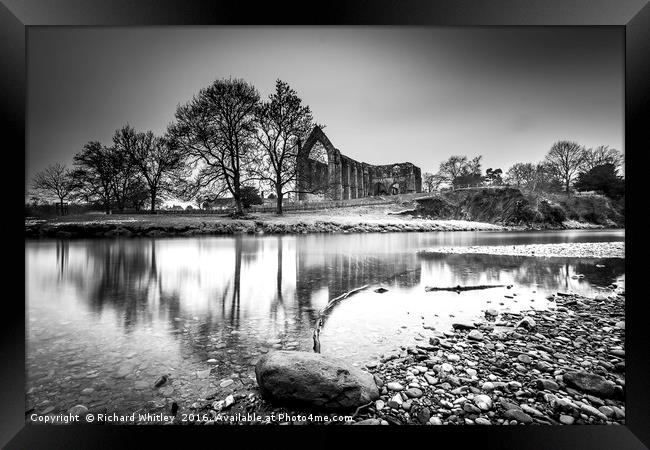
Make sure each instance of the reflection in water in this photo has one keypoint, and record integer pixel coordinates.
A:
(176, 302)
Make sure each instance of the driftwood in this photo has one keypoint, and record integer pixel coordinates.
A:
(460, 288)
(325, 311)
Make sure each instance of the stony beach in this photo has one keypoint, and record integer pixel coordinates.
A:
(561, 366)
(567, 250)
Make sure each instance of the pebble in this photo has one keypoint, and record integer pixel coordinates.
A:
(518, 415)
(226, 383)
(435, 421)
(395, 386)
(566, 420)
(413, 393)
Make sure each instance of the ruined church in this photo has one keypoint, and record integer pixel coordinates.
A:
(324, 173)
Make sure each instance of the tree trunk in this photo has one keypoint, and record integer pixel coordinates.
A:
(153, 202)
(568, 192)
(278, 202)
(61, 205)
(238, 206)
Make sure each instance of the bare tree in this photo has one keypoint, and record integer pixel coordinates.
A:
(452, 168)
(93, 172)
(216, 129)
(125, 179)
(566, 159)
(461, 170)
(602, 155)
(55, 180)
(521, 174)
(156, 159)
(432, 181)
(282, 123)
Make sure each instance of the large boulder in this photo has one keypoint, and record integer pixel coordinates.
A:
(591, 384)
(313, 380)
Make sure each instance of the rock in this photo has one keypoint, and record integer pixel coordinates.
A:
(518, 415)
(530, 410)
(607, 411)
(566, 420)
(488, 386)
(590, 383)
(620, 325)
(483, 401)
(396, 401)
(471, 409)
(160, 381)
(431, 380)
(381, 290)
(492, 312)
(523, 358)
(550, 385)
(368, 422)
(482, 421)
(226, 383)
(413, 393)
(475, 335)
(312, 379)
(379, 405)
(395, 386)
(463, 326)
(435, 421)
(590, 410)
(617, 352)
(446, 367)
(229, 401)
(527, 323)
(81, 409)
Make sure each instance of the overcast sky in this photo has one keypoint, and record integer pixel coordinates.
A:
(385, 94)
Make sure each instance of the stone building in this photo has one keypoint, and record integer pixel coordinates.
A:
(324, 173)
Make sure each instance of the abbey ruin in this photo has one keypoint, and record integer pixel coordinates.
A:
(324, 173)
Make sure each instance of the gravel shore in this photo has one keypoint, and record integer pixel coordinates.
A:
(569, 250)
(561, 366)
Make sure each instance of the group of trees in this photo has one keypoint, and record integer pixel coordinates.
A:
(138, 167)
(221, 142)
(567, 165)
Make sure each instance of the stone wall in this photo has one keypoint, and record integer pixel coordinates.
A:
(343, 178)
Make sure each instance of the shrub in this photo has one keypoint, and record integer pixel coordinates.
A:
(552, 213)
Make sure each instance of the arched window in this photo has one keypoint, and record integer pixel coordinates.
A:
(319, 153)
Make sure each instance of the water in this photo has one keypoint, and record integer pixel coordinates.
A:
(107, 317)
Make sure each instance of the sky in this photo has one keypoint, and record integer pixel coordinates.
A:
(384, 94)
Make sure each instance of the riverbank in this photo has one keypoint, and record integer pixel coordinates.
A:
(567, 250)
(343, 220)
(194, 225)
(561, 366)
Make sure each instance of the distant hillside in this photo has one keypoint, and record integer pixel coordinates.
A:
(510, 206)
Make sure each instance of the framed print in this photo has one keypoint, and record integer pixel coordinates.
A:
(412, 216)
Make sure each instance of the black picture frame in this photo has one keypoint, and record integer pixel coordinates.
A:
(16, 16)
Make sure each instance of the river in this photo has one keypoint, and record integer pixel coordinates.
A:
(107, 317)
